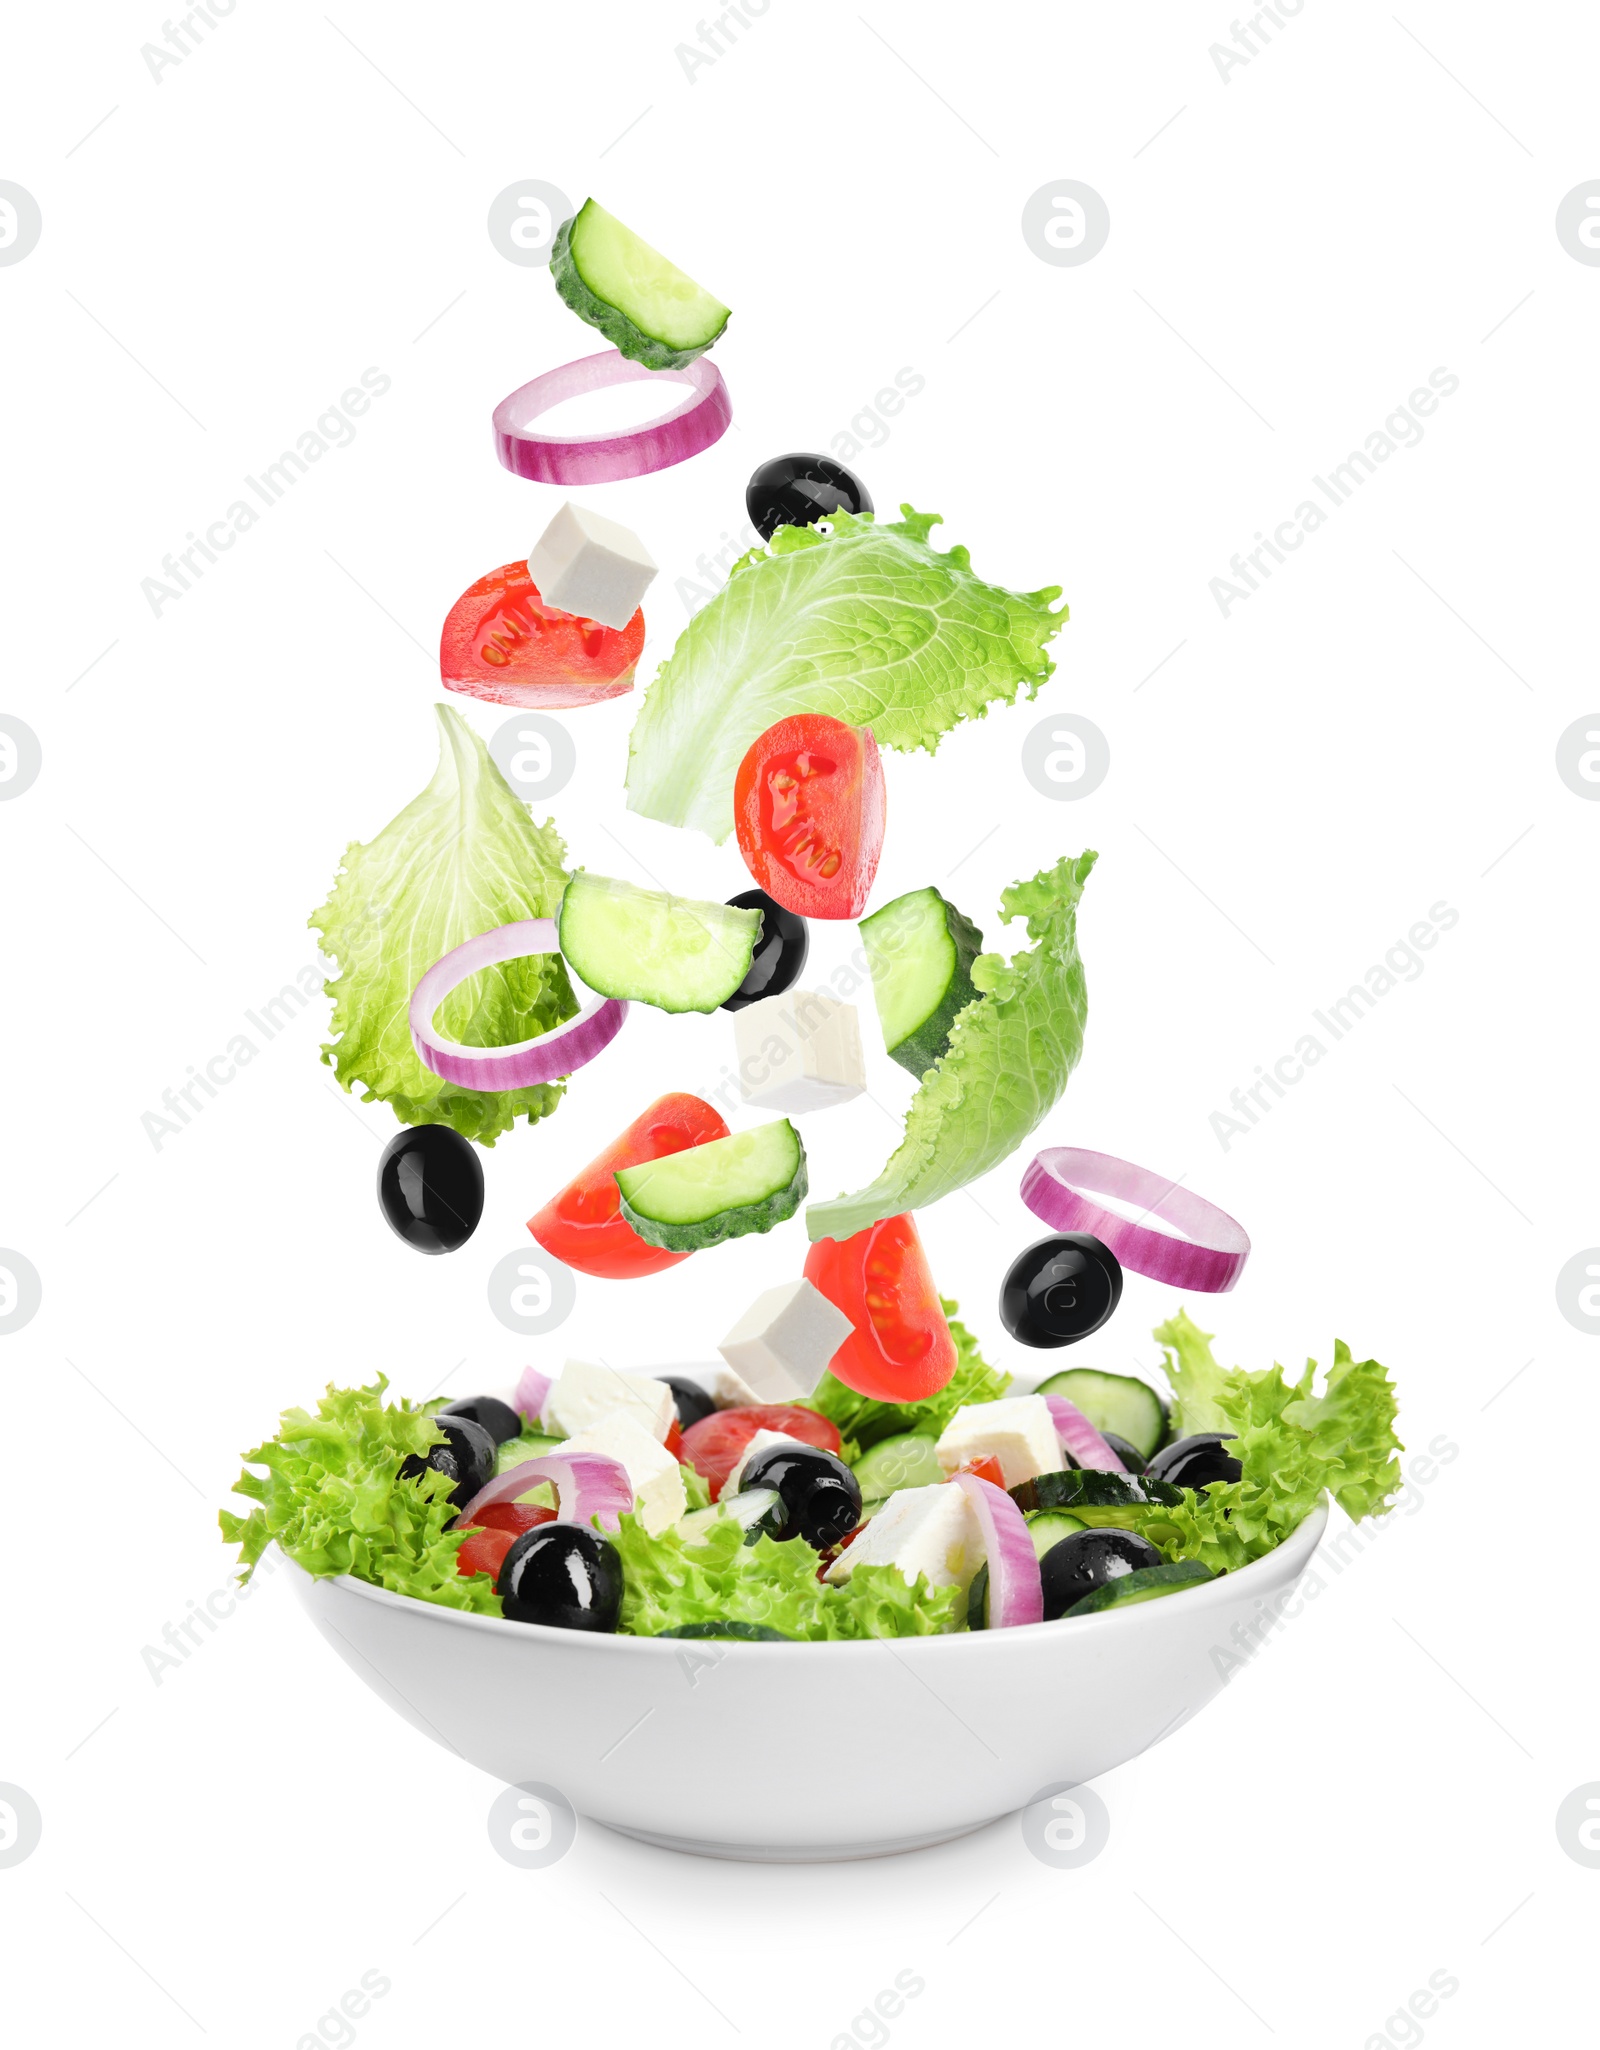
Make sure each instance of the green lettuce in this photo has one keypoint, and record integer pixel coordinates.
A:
(330, 1500)
(463, 857)
(721, 1579)
(1009, 1057)
(866, 623)
(862, 1422)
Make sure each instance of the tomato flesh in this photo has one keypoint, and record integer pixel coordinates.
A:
(584, 1225)
(987, 1468)
(494, 1531)
(901, 1349)
(502, 642)
(713, 1446)
(808, 803)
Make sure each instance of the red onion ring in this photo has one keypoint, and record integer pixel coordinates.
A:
(545, 1059)
(533, 1392)
(700, 418)
(587, 1485)
(1210, 1258)
(1079, 1437)
(1016, 1592)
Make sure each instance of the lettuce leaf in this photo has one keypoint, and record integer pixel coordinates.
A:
(329, 1498)
(1193, 1375)
(667, 1583)
(865, 622)
(1009, 1057)
(862, 1422)
(463, 857)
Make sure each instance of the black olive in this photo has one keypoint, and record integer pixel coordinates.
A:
(1060, 1290)
(430, 1186)
(1087, 1560)
(798, 490)
(780, 952)
(1196, 1462)
(1130, 1455)
(466, 1457)
(498, 1418)
(562, 1575)
(821, 1497)
(688, 1398)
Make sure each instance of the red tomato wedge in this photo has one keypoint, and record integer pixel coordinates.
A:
(502, 642)
(808, 802)
(987, 1468)
(901, 1349)
(495, 1530)
(712, 1446)
(584, 1225)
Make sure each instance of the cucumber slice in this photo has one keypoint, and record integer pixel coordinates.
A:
(920, 950)
(1048, 1527)
(531, 1445)
(907, 1460)
(755, 1510)
(1118, 1403)
(674, 952)
(1082, 1488)
(645, 306)
(748, 1633)
(718, 1191)
(1147, 1584)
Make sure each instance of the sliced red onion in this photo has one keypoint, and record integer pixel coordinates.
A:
(699, 418)
(1079, 1437)
(545, 1059)
(587, 1485)
(533, 1392)
(1016, 1592)
(1209, 1258)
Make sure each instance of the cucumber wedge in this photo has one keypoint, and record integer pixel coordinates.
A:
(920, 950)
(907, 1460)
(1117, 1403)
(674, 952)
(1048, 1527)
(1080, 1488)
(721, 1190)
(645, 306)
(1147, 1584)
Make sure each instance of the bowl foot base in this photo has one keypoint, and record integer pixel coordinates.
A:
(799, 1854)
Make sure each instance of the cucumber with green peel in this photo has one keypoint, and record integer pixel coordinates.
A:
(1081, 1488)
(736, 1633)
(531, 1445)
(721, 1190)
(649, 947)
(1048, 1527)
(1118, 1403)
(1146, 1584)
(920, 950)
(907, 1460)
(647, 308)
(755, 1510)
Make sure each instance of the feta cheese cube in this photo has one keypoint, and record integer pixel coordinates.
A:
(1017, 1430)
(586, 1391)
(784, 1340)
(655, 1476)
(932, 1531)
(727, 1389)
(763, 1441)
(586, 564)
(797, 1052)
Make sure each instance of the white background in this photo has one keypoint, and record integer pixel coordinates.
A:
(1291, 788)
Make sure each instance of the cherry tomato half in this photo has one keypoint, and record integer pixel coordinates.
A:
(808, 802)
(713, 1446)
(584, 1225)
(494, 1531)
(901, 1349)
(502, 642)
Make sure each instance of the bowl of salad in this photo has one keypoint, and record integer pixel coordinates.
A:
(832, 1628)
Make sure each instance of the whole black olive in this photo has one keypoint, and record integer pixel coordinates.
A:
(466, 1457)
(821, 1497)
(1087, 1560)
(1060, 1289)
(1130, 1455)
(1196, 1462)
(780, 952)
(430, 1187)
(798, 490)
(498, 1418)
(563, 1575)
(688, 1399)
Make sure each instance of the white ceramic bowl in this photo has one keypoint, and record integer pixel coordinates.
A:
(800, 1751)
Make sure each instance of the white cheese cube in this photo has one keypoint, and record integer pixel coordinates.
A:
(1016, 1430)
(656, 1477)
(727, 1389)
(797, 1052)
(782, 1343)
(586, 1391)
(589, 565)
(763, 1441)
(931, 1531)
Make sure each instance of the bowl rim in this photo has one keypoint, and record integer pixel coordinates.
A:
(1295, 1552)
